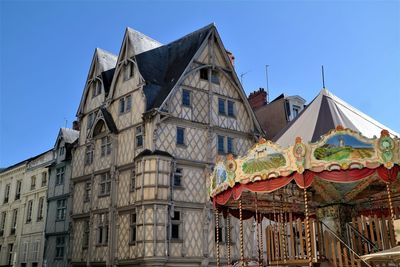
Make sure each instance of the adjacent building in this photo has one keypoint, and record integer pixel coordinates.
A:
(59, 201)
(33, 211)
(152, 122)
(274, 116)
(11, 208)
(23, 189)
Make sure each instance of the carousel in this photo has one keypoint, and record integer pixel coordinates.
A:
(325, 203)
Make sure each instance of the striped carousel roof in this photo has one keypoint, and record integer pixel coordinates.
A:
(324, 113)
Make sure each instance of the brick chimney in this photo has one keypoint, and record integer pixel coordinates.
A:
(258, 98)
(75, 125)
(231, 57)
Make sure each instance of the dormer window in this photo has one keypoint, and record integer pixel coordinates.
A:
(129, 71)
(96, 88)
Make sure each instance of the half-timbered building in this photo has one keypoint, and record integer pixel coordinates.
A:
(152, 122)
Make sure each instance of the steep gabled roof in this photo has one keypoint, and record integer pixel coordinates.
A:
(140, 42)
(68, 135)
(162, 67)
(103, 63)
(324, 113)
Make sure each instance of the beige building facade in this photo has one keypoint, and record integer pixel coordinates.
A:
(152, 122)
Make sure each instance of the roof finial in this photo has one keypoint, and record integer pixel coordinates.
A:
(323, 77)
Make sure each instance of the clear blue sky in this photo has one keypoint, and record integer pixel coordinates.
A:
(46, 50)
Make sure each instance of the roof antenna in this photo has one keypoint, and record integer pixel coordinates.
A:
(323, 77)
(66, 122)
(266, 75)
(241, 77)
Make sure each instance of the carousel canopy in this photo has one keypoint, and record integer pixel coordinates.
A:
(324, 113)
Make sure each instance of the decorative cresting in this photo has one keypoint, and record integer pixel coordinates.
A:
(339, 150)
(265, 160)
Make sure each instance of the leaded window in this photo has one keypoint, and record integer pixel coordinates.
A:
(180, 136)
(105, 146)
(60, 173)
(186, 98)
(105, 184)
(102, 229)
(61, 209)
(60, 246)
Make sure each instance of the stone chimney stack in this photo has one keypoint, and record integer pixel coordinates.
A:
(257, 98)
(231, 57)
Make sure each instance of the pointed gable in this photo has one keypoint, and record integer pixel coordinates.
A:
(162, 67)
(103, 64)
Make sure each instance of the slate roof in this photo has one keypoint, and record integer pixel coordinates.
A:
(109, 120)
(69, 135)
(162, 67)
(141, 42)
(323, 114)
(106, 60)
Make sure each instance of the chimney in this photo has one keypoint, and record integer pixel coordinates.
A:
(257, 98)
(75, 125)
(231, 57)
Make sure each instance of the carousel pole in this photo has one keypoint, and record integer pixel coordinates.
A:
(217, 234)
(307, 228)
(228, 222)
(389, 193)
(258, 232)
(241, 233)
(283, 236)
(275, 230)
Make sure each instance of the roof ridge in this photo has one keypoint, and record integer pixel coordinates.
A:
(101, 50)
(211, 25)
(129, 29)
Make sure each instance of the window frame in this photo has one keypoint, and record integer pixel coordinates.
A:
(61, 209)
(223, 102)
(60, 247)
(106, 146)
(33, 182)
(203, 74)
(29, 209)
(186, 101)
(89, 153)
(40, 209)
(121, 105)
(14, 222)
(231, 111)
(86, 234)
(177, 223)
(178, 141)
(104, 182)
(102, 229)
(7, 189)
(215, 77)
(44, 179)
(3, 219)
(139, 136)
(132, 228)
(88, 191)
(18, 188)
(178, 174)
(60, 175)
(132, 185)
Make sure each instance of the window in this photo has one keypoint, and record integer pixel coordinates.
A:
(44, 178)
(128, 103)
(6, 193)
(60, 172)
(175, 224)
(14, 222)
(96, 87)
(133, 228)
(40, 209)
(91, 118)
(227, 146)
(129, 70)
(89, 155)
(180, 136)
(105, 184)
(35, 251)
(29, 211)
(60, 244)
(18, 190)
(2, 222)
(88, 191)
(231, 108)
(25, 252)
(230, 145)
(214, 77)
(102, 229)
(221, 106)
(61, 151)
(139, 136)
(221, 145)
(133, 180)
(204, 74)
(61, 209)
(10, 254)
(122, 105)
(86, 231)
(105, 146)
(178, 177)
(33, 182)
(186, 98)
(296, 111)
